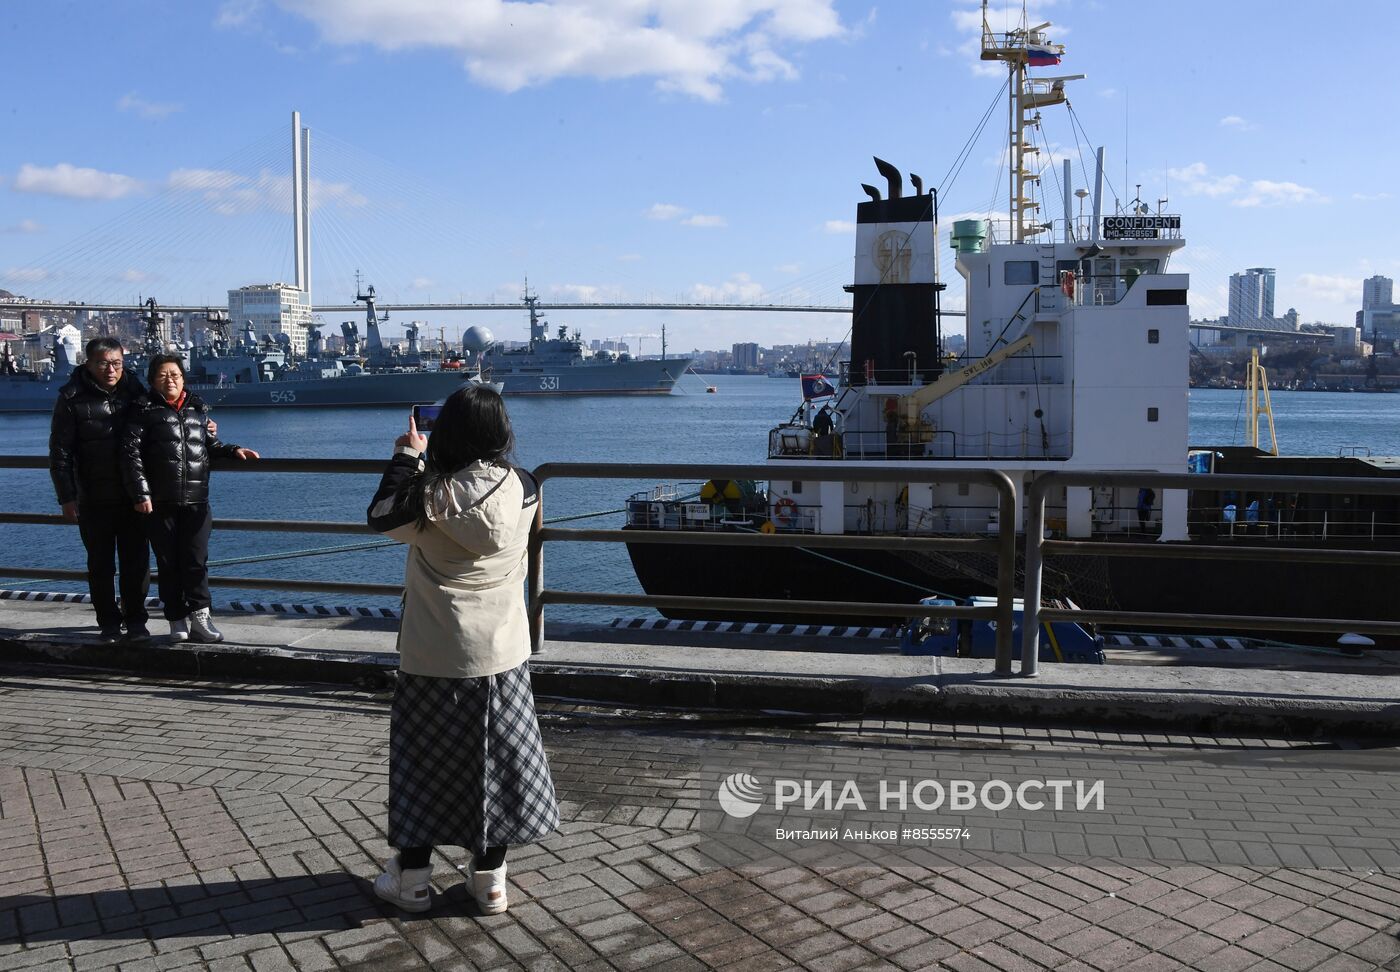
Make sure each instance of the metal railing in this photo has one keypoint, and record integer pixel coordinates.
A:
(1003, 546)
(321, 466)
(1037, 546)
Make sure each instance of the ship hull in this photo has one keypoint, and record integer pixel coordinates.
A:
(398, 388)
(1148, 583)
(618, 378)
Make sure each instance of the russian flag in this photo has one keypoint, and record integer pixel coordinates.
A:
(816, 386)
(1041, 55)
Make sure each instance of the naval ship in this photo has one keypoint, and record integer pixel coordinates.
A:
(561, 365)
(1077, 353)
(241, 371)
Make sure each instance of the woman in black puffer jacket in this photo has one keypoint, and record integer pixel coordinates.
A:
(165, 465)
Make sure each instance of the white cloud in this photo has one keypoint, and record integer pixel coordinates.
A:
(154, 110)
(23, 226)
(421, 283)
(74, 182)
(686, 47)
(26, 274)
(664, 211)
(629, 257)
(1370, 197)
(231, 193)
(134, 276)
(237, 13)
(706, 222)
(1196, 180)
(1330, 288)
(739, 288)
(789, 268)
(1263, 192)
(839, 226)
(1236, 122)
(587, 293)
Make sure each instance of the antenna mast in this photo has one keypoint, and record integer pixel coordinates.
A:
(1022, 48)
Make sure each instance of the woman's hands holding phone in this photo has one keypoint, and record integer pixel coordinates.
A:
(412, 438)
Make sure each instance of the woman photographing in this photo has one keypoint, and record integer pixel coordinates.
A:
(166, 449)
(466, 764)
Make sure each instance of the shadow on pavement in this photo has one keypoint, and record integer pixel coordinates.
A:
(321, 903)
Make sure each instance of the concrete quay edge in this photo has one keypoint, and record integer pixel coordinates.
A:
(937, 689)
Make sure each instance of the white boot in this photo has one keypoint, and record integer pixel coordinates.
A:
(489, 888)
(202, 627)
(409, 889)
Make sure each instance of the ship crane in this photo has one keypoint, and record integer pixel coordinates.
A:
(915, 402)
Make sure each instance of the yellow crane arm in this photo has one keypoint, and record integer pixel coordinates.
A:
(950, 381)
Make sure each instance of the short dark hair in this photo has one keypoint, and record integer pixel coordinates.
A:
(163, 359)
(101, 345)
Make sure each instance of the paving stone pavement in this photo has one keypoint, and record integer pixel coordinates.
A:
(150, 824)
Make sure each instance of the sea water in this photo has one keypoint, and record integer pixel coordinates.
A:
(688, 426)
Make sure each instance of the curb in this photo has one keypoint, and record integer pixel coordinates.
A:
(951, 697)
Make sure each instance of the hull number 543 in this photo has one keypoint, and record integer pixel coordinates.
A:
(286, 397)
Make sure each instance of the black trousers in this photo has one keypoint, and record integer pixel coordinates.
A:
(113, 532)
(180, 537)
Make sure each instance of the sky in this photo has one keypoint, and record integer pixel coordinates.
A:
(662, 150)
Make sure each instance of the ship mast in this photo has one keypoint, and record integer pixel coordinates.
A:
(1023, 48)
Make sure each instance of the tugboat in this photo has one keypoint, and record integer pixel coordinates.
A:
(1077, 354)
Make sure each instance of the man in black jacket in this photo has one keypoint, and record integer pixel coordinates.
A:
(84, 446)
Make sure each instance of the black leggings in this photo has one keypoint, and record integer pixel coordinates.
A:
(415, 857)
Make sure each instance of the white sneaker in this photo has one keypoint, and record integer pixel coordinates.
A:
(409, 889)
(489, 888)
(180, 630)
(202, 627)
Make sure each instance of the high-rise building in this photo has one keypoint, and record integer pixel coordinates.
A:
(273, 309)
(1377, 292)
(745, 357)
(1252, 296)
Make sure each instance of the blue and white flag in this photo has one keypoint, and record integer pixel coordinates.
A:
(816, 386)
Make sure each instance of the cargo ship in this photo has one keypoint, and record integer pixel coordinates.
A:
(1077, 359)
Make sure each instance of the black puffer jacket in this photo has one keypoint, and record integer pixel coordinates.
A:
(166, 452)
(85, 439)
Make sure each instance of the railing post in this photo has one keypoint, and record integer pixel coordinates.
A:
(1006, 572)
(534, 606)
(1030, 608)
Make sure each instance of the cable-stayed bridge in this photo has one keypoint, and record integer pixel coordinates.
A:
(22, 305)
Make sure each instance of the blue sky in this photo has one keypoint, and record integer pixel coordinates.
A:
(658, 149)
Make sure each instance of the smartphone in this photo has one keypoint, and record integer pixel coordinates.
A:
(424, 416)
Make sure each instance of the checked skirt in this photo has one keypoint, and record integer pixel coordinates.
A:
(466, 764)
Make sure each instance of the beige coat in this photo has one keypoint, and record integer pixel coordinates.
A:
(464, 602)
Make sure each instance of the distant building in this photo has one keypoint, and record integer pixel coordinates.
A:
(1377, 292)
(274, 309)
(1252, 296)
(745, 357)
(1346, 338)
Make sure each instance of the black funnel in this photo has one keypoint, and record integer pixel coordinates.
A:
(892, 176)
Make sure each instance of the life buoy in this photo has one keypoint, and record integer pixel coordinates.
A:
(785, 511)
(1067, 283)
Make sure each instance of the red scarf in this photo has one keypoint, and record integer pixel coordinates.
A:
(178, 403)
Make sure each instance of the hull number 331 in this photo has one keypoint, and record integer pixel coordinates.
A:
(549, 383)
